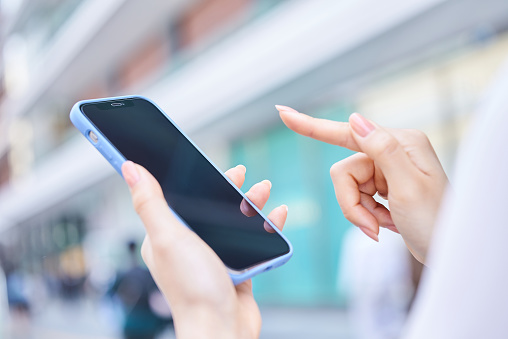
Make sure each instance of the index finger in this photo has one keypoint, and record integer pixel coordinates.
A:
(329, 131)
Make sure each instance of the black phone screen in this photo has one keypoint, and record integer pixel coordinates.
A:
(192, 186)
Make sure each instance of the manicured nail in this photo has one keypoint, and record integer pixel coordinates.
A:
(267, 182)
(242, 167)
(370, 233)
(285, 109)
(244, 207)
(360, 125)
(393, 228)
(130, 173)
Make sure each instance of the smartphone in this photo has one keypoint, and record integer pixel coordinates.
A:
(201, 196)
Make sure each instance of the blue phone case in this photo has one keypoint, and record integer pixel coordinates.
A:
(114, 157)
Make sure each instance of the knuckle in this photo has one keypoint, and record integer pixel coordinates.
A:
(385, 145)
(311, 132)
(418, 137)
(349, 164)
(421, 136)
(347, 213)
(336, 168)
(349, 140)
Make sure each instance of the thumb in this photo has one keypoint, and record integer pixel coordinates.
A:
(385, 150)
(148, 201)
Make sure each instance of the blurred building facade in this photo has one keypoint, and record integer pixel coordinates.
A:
(217, 67)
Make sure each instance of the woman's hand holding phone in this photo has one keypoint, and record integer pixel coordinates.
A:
(203, 299)
(398, 164)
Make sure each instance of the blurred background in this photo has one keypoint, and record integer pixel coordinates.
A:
(68, 232)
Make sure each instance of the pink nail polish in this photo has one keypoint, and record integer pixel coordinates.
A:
(243, 207)
(393, 229)
(130, 173)
(285, 109)
(370, 233)
(360, 125)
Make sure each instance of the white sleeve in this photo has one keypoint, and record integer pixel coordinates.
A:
(464, 292)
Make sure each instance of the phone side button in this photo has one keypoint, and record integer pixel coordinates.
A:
(107, 155)
(99, 148)
(104, 153)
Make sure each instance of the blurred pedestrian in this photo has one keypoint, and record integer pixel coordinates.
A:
(18, 292)
(140, 299)
(18, 297)
(72, 273)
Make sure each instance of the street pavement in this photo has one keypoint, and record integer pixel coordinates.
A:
(87, 319)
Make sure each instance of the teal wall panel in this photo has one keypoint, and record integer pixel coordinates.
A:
(299, 169)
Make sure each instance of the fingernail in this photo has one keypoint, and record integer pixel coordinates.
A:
(242, 167)
(286, 208)
(130, 173)
(370, 233)
(393, 228)
(360, 125)
(285, 109)
(243, 207)
(267, 182)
